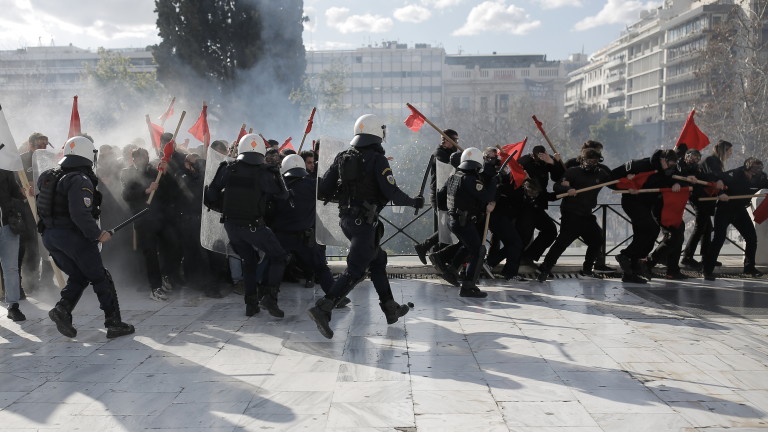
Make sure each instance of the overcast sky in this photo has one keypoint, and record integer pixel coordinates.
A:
(556, 28)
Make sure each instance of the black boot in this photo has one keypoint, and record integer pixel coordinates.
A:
(115, 325)
(421, 251)
(343, 302)
(447, 272)
(251, 304)
(61, 314)
(269, 301)
(393, 311)
(469, 289)
(625, 263)
(320, 313)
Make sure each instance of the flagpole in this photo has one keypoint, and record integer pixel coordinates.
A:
(306, 132)
(734, 197)
(160, 172)
(449, 139)
(697, 181)
(655, 190)
(540, 125)
(162, 122)
(589, 188)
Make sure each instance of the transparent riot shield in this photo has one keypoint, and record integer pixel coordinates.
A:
(327, 230)
(43, 160)
(444, 171)
(213, 237)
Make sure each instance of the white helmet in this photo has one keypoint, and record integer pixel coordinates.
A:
(471, 158)
(293, 166)
(369, 129)
(251, 149)
(78, 151)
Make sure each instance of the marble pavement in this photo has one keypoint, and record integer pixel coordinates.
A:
(569, 355)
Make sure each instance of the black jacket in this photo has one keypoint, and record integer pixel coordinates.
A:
(542, 172)
(578, 178)
(738, 184)
(11, 198)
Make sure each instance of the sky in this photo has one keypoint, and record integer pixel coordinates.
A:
(556, 28)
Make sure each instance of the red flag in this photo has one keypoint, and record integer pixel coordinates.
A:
(416, 120)
(637, 181)
(199, 130)
(168, 112)
(167, 154)
(674, 206)
(74, 121)
(517, 171)
(761, 212)
(711, 189)
(310, 121)
(286, 144)
(154, 132)
(691, 135)
(240, 135)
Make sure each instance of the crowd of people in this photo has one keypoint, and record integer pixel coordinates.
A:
(267, 200)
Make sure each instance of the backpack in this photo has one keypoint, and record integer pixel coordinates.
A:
(47, 191)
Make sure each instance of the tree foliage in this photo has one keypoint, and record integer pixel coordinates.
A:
(734, 66)
(326, 91)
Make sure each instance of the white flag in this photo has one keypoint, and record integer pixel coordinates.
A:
(9, 153)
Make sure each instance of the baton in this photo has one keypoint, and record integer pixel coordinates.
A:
(127, 221)
(424, 180)
(506, 161)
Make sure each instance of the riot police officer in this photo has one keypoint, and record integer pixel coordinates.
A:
(470, 195)
(362, 182)
(68, 207)
(241, 191)
(294, 220)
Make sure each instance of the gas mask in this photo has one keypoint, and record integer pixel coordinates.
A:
(590, 165)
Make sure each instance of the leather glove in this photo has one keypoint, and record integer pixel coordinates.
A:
(418, 202)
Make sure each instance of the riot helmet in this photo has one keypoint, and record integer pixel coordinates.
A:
(293, 166)
(78, 151)
(471, 158)
(369, 129)
(251, 149)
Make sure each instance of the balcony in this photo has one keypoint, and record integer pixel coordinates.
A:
(618, 93)
(614, 63)
(614, 78)
(615, 109)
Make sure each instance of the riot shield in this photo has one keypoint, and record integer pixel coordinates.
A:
(327, 230)
(43, 160)
(213, 237)
(444, 171)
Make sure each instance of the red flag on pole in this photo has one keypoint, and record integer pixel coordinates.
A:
(74, 121)
(414, 121)
(240, 135)
(286, 144)
(761, 212)
(310, 121)
(636, 182)
(200, 130)
(155, 131)
(168, 113)
(674, 206)
(691, 135)
(167, 154)
(517, 171)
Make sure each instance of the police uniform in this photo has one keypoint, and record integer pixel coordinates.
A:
(243, 188)
(294, 221)
(363, 182)
(71, 235)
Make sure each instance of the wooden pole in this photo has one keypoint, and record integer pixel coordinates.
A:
(540, 126)
(160, 173)
(31, 201)
(449, 139)
(655, 190)
(701, 182)
(589, 188)
(162, 123)
(311, 117)
(734, 197)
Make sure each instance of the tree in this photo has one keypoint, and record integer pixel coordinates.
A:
(580, 121)
(114, 79)
(619, 139)
(734, 66)
(325, 91)
(245, 56)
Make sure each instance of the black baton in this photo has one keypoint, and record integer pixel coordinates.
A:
(424, 180)
(127, 221)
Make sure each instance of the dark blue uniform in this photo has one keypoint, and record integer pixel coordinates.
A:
(294, 220)
(468, 196)
(71, 236)
(255, 185)
(359, 222)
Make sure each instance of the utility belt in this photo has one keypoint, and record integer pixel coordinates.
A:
(463, 216)
(366, 213)
(307, 236)
(245, 223)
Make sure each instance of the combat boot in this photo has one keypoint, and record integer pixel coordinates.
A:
(320, 313)
(269, 301)
(469, 289)
(61, 314)
(251, 304)
(446, 272)
(115, 325)
(393, 311)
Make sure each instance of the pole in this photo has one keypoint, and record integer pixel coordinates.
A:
(162, 123)
(589, 188)
(734, 197)
(159, 172)
(449, 139)
(127, 221)
(306, 131)
(540, 125)
(424, 180)
(686, 179)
